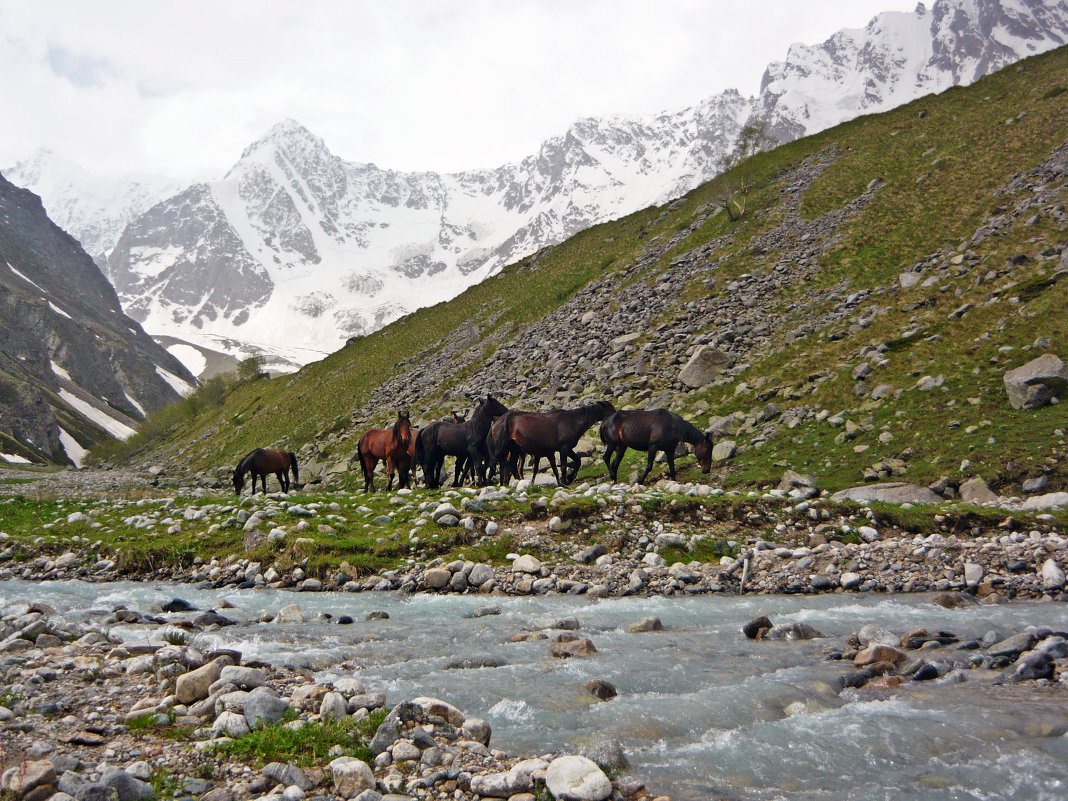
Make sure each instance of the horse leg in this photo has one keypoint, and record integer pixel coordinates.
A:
(552, 464)
(669, 452)
(648, 464)
(263, 481)
(613, 467)
(282, 480)
(389, 473)
(369, 463)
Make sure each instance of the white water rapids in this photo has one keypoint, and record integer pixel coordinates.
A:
(701, 711)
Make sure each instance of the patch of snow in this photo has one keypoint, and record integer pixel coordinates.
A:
(61, 372)
(102, 419)
(191, 358)
(23, 276)
(75, 452)
(14, 458)
(135, 404)
(58, 310)
(177, 384)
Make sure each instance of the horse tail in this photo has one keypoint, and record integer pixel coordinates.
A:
(293, 464)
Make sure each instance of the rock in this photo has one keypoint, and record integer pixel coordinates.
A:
(952, 600)
(650, 623)
(263, 706)
(436, 578)
(756, 628)
(27, 776)
(892, 492)
(351, 776)
(126, 787)
(526, 564)
(1033, 486)
(975, 490)
(478, 730)
(879, 653)
(244, 677)
(799, 484)
(607, 754)
(1036, 383)
(441, 709)
(1052, 500)
(1031, 665)
(289, 775)
(473, 662)
(1052, 576)
(230, 724)
(576, 778)
(724, 450)
(504, 784)
(333, 707)
(706, 363)
(792, 630)
(193, 686)
(1016, 644)
(973, 574)
(581, 646)
(600, 689)
(850, 581)
(289, 614)
(444, 509)
(479, 575)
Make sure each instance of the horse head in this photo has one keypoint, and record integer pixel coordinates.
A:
(493, 407)
(402, 429)
(703, 451)
(606, 408)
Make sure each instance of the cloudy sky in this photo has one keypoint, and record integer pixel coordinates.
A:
(180, 88)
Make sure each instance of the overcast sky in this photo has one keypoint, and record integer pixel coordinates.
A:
(181, 88)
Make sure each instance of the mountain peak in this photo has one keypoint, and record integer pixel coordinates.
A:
(287, 136)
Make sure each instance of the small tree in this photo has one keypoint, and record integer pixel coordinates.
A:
(250, 368)
(752, 139)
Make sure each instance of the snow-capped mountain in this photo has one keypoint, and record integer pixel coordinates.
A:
(295, 250)
(94, 209)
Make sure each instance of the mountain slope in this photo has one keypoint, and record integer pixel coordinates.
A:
(927, 241)
(296, 250)
(74, 370)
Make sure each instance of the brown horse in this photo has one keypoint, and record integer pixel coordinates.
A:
(261, 463)
(652, 431)
(466, 441)
(546, 433)
(389, 444)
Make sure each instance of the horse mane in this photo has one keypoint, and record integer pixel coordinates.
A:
(242, 466)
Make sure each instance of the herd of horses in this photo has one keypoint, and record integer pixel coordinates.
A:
(493, 443)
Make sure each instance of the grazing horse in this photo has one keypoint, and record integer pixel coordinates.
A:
(466, 441)
(390, 445)
(652, 431)
(260, 463)
(544, 433)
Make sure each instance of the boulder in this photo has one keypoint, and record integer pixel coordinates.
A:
(1031, 665)
(792, 630)
(263, 706)
(351, 776)
(879, 653)
(756, 627)
(724, 450)
(26, 776)
(975, 490)
(1036, 383)
(526, 564)
(193, 686)
(576, 778)
(890, 492)
(650, 623)
(1051, 500)
(126, 787)
(581, 646)
(702, 368)
(436, 578)
(1052, 576)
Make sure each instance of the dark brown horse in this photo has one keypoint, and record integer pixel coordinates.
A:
(497, 440)
(652, 431)
(388, 444)
(261, 463)
(466, 441)
(546, 433)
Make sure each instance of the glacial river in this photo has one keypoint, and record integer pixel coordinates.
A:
(701, 711)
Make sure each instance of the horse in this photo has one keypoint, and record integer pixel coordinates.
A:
(466, 441)
(497, 439)
(545, 433)
(260, 463)
(388, 444)
(652, 431)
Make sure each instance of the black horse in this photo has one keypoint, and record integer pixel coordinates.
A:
(466, 441)
(652, 431)
(260, 463)
(548, 433)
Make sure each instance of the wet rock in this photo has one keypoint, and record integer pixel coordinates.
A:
(792, 630)
(577, 647)
(290, 614)
(1016, 644)
(474, 662)
(1031, 665)
(953, 600)
(879, 653)
(756, 628)
(607, 754)
(600, 689)
(478, 730)
(651, 623)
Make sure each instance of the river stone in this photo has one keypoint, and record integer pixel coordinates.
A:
(1031, 665)
(1036, 383)
(474, 662)
(581, 646)
(479, 575)
(244, 677)
(873, 634)
(441, 709)
(349, 685)
(1052, 576)
(230, 724)
(706, 363)
(193, 686)
(953, 600)
(526, 564)
(576, 778)
(600, 689)
(289, 775)
(351, 776)
(126, 787)
(290, 614)
(879, 653)
(404, 750)
(333, 707)
(607, 754)
(436, 578)
(263, 706)
(501, 785)
(792, 630)
(369, 701)
(26, 776)
(973, 574)
(891, 492)
(650, 623)
(478, 730)
(850, 580)
(756, 627)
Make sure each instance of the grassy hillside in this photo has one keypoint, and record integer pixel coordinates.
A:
(967, 189)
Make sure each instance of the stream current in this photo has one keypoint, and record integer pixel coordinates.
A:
(701, 712)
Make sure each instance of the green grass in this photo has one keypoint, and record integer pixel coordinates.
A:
(307, 745)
